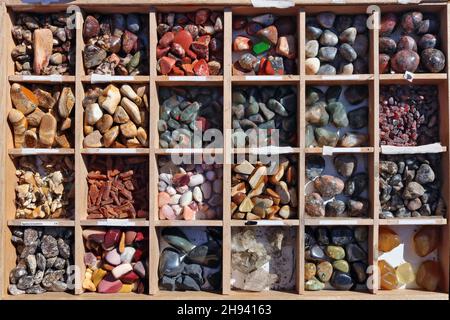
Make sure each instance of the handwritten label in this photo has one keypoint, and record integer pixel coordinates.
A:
(116, 222)
(38, 223)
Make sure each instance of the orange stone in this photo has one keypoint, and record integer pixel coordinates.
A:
(166, 64)
(201, 68)
(388, 239)
(426, 240)
(183, 38)
(429, 275)
(122, 243)
(388, 278)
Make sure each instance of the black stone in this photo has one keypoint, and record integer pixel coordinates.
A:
(354, 253)
(322, 236)
(359, 272)
(341, 281)
(356, 184)
(207, 254)
(341, 236)
(195, 271)
(314, 166)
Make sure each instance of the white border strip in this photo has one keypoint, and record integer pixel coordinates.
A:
(187, 78)
(281, 4)
(38, 223)
(328, 151)
(105, 78)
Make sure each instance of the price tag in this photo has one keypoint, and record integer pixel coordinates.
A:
(408, 76)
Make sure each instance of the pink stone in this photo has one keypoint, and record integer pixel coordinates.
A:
(130, 235)
(91, 27)
(43, 47)
(161, 52)
(121, 270)
(129, 277)
(241, 43)
(139, 236)
(113, 257)
(112, 238)
(129, 41)
(188, 213)
(90, 260)
(109, 285)
(166, 212)
(163, 199)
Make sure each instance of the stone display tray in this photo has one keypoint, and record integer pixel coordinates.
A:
(227, 81)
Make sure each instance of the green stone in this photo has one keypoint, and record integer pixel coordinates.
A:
(341, 265)
(335, 252)
(317, 114)
(261, 47)
(190, 113)
(238, 97)
(326, 137)
(314, 285)
(309, 136)
(338, 114)
(313, 95)
(134, 62)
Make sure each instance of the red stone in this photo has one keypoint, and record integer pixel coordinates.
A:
(167, 39)
(161, 52)
(138, 255)
(262, 66)
(201, 16)
(112, 238)
(187, 67)
(130, 235)
(384, 63)
(177, 50)
(183, 38)
(405, 60)
(129, 42)
(180, 179)
(91, 27)
(201, 49)
(139, 236)
(206, 39)
(130, 277)
(166, 64)
(177, 71)
(387, 23)
(201, 68)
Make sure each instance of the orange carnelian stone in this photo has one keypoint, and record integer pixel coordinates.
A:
(429, 275)
(388, 278)
(426, 240)
(388, 239)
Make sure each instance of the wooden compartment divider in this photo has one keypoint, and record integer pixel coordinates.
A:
(227, 81)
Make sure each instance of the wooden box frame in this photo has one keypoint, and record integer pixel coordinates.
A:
(301, 9)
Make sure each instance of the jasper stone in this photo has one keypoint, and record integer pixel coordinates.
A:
(405, 60)
(433, 60)
(91, 27)
(411, 20)
(93, 56)
(329, 186)
(109, 285)
(314, 205)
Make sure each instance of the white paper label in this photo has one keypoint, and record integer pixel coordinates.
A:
(263, 78)
(328, 151)
(427, 148)
(116, 222)
(187, 78)
(38, 223)
(269, 223)
(271, 150)
(413, 221)
(337, 222)
(104, 78)
(273, 3)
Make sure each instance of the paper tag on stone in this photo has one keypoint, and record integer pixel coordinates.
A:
(408, 76)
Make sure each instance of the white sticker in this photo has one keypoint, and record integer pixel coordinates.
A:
(263, 78)
(51, 78)
(338, 1)
(413, 221)
(282, 4)
(104, 78)
(327, 151)
(337, 222)
(269, 223)
(38, 223)
(187, 78)
(116, 222)
(271, 150)
(408, 76)
(427, 148)
(188, 150)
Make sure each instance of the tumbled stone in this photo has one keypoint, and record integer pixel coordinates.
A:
(326, 19)
(314, 205)
(433, 60)
(388, 239)
(310, 270)
(387, 45)
(405, 273)
(329, 186)
(341, 281)
(429, 275)
(426, 240)
(388, 278)
(329, 38)
(405, 60)
(335, 252)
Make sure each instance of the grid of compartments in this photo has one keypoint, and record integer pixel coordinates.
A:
(142, 233)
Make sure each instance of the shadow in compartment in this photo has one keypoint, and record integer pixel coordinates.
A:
(190, 259)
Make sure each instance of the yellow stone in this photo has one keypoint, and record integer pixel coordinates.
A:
(126, 288)
(426, 240)
(89, 285)
(310, 270)
(122, 243)
(98, 275)
(405, 273)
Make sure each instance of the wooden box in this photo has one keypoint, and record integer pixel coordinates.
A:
(300, 10)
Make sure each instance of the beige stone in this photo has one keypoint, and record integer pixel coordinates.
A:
(109, 99)
(47, 130)
(34, 118)
(43, 47)
(23, 99)
(93, 140)
(127, 91)
(66, 102)
(128, 129)
(142, 136)
(93, 113)
(110, 136)
(31, 139)
(132, 110)
(105, 123)
(45, 99)
(121, 116)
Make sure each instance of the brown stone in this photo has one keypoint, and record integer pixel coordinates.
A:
(47, 130)
(426, 240)
(128, 129)
(429, 275)
(93, 140)
(43, 48)
(286, 47)
(66, 102)
(388, 239)
(23, 99)
(105, 123)
(270, 33)
(110, 136)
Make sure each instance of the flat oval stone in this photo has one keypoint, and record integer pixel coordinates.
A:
(310, 270)
(427, 41)
(348, 36)
(329, 38)
(324, 271)
(313, 33)
(326, 69)
(113, 257)
(329, 186)
(341, 281)
(354, 253)
(315, 253)
(341, 265)
(311, 48)
(327, 53)
(314, 205)
(335, 252)
(109, 285)
(121, 270)
(312, 66)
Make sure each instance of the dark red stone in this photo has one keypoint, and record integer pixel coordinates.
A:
(160, 52)
(384, 63)
(427, 41)
(138, 255)
(166, 64)
(408, 43)
(139, 236)
(387, 23)
(91, 27)
(166, 40)
(112, 238)
(183, 38)
(387, 45)
(433, 60)
(411, 21)
(130, 277)
(405, 60)
(201, 16)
